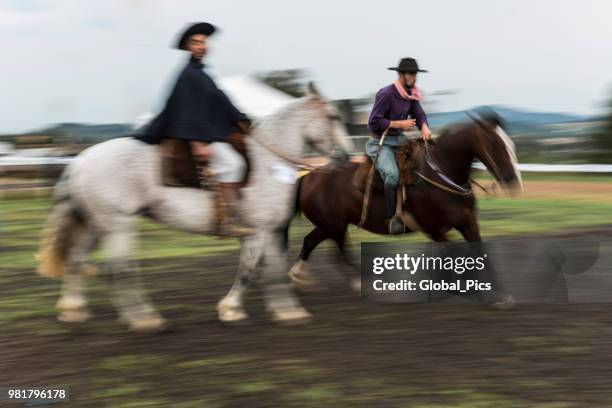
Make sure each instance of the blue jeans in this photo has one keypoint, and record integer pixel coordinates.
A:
(386, 165)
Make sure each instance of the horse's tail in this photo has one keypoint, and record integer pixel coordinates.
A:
(294, 212)
(63, 227)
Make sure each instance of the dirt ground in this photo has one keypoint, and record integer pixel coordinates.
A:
(354, 354)
(577, 190)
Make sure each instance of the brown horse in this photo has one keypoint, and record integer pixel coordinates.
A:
(439, 200)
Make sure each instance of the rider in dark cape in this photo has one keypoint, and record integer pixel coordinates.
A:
(197, 111)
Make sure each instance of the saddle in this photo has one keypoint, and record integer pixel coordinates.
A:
(410, 158)
(181, 169)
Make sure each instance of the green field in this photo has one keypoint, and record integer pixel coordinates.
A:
(22, 220)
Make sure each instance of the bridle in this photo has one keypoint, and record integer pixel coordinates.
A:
(299, 162)
(450, 186)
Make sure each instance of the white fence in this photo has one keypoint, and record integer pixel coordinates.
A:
(12, 161)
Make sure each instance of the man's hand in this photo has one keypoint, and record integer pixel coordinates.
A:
(406, 124)
(245, 127)
(425, 132)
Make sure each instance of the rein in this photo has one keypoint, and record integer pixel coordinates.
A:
(454, 187)
(297, 161)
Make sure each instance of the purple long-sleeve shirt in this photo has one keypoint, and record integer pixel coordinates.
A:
(388, 106)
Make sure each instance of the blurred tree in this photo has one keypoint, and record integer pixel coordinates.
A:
(603, 138)
(290, 81)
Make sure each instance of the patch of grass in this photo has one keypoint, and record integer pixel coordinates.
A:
(254, 387)
(316, 395)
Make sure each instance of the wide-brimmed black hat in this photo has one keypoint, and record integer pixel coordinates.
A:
(408, 65)
(196, 28)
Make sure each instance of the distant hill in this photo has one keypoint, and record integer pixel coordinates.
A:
(89, 132)
(536, 118)
(517, 119)
(510, 115)
(79, 132)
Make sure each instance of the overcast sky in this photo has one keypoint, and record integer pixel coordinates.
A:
(104, 61)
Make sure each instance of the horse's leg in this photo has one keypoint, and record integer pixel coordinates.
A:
(230, 308)
(301, 276)
(129, 296)
(354, 277)
(279, 298)
(496, 298)
(439, 237)
(470, 230)
(72, 304)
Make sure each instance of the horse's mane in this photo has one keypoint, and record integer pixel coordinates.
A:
(285, 111)
(484, 114)
(488, 115)
(452, 131)
(409, 154)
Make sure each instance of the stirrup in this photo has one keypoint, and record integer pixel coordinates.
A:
(396, 226)
(233, 229)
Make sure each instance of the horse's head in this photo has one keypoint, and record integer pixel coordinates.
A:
(496, 150)
(323, 129)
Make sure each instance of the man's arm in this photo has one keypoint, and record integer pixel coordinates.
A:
(418, 113)
(378, 123)
(242, 120)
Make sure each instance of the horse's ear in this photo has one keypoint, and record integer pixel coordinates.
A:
(311, 90)
(487, 116)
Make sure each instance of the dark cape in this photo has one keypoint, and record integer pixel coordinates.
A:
(195, 110)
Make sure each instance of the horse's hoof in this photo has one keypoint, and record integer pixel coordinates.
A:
(149, 325)
(231, 316)
(302, 280)
(89, 270)
(74, 316)
(72, 309)
(505, 303)
(71, 302)
(292, 317)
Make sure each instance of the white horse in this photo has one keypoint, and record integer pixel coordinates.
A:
(103, 192)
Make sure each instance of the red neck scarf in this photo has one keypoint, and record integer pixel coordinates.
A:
(416, 93)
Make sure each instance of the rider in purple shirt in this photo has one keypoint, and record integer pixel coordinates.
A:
(396, 109)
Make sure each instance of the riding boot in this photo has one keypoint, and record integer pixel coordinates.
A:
(228, 222)
(394, 223)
